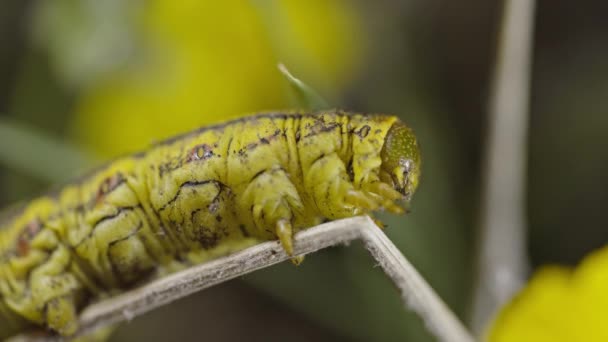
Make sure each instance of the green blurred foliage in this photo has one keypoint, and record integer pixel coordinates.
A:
(303, 96)
(85, 40)
(568, 165)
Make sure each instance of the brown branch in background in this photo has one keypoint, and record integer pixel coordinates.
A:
(415, 292)
(502, 260)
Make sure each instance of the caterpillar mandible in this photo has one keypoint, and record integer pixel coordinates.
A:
(195, 197)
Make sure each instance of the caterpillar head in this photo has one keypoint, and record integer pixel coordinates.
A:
(401, 160)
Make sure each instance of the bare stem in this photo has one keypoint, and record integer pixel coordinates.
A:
(416, 293)
(502, 261)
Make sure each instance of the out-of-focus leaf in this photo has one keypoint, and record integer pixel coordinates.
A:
(304, 96)
(86, 39)
(39, 155)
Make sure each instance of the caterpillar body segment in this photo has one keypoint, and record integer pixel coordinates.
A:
(195, 197)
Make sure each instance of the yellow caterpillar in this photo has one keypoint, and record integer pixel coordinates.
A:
(194, 197)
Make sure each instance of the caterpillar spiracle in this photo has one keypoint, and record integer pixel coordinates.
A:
(194, 197)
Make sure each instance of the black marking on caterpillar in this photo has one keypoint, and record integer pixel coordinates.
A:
(220, 126)
(189, 184)
(27, 234)
(363, 131)
(114, 215)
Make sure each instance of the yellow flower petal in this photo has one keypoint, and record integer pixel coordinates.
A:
(209, 61)
(559, 305)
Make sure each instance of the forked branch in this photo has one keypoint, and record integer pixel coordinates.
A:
(415, 291)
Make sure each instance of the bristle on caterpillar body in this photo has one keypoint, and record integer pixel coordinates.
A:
(195, 197)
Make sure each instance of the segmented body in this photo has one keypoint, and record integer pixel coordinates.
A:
(185, 200)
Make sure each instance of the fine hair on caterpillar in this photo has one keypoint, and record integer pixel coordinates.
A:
(195, 197)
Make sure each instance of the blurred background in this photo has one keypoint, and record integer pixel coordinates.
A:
(103, 78)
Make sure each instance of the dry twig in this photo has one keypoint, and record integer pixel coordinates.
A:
(502, 262)
(415, 292)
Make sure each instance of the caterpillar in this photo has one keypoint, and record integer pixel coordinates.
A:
(192, 198)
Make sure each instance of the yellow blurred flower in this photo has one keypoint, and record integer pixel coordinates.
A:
(559, 305)
(212, 60)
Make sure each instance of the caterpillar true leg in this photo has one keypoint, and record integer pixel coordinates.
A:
(359, 199)
(335, 196)
(384, 190)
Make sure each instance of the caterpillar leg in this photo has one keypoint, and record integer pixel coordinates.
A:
(385, 195)
(50, 294)
(284, 231)
(58, 290)
(273, 201)
(328, 184)
(61, 315)
(115, 248)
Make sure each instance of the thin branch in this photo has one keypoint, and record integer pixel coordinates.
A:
(416, 293)
(502, 261)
